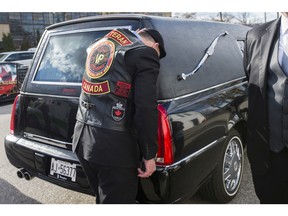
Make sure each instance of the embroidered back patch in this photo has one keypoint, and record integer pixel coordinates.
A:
(100, 59)
(119, 37)
(122, 89)
(118, 111)
(95, 88)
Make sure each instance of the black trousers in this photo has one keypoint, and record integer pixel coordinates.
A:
(272, 188)
(112, 185)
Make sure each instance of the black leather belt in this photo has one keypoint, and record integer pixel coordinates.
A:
(87, 105)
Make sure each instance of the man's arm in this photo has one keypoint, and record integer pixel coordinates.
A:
(145, 65)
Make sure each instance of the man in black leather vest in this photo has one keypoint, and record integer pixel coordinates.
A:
(265, 63)
(117, 118)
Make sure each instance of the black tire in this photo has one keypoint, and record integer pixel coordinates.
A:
(227, 176)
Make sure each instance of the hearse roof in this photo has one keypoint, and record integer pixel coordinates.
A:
(99, 18)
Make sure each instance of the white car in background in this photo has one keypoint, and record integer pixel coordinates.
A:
(21, 57)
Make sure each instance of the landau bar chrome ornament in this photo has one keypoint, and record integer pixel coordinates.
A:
(209, 52)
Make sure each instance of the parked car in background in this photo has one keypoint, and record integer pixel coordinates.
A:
(21, 57)
(11, 79)
(202, 97)
(32, 49)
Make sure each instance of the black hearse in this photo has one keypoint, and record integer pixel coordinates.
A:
(202, 108)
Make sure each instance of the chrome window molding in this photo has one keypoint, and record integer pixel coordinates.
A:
(203, 90)
(56, 83)
(47, 95)
(159, 101)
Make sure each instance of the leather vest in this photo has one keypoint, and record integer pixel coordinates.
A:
(107, 87)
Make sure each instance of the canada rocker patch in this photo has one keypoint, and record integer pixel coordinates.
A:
(118, 111)
(95, 88)
(100, 59)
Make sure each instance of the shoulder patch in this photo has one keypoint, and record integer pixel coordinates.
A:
(119, 37)
(118, 111)
(100, 59)
(122, 89)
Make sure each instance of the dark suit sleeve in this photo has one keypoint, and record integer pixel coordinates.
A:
(144, 65)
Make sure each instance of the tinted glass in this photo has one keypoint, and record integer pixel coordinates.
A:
(65, 56)
(13, 57)
(4, 17)
(24, 56)
(26, 18)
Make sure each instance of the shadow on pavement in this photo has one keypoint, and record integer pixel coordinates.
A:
(4, 103)
(11, 195)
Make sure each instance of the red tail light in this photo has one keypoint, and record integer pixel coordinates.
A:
(13, 113)
(165, 147)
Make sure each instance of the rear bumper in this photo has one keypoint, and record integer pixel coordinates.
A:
(36, 159)
(169, 184)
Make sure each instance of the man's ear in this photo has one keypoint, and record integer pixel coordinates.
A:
(156, 44)
(156, 47)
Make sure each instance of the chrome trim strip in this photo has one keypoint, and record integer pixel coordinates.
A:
(56, 33)
(57, 83)
(47, 95)
(159, 101)
(42, 148)
(46, 140)
(203, 90)
(185, 160)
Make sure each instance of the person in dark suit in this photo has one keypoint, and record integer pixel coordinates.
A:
(265, 63)
(117, 118)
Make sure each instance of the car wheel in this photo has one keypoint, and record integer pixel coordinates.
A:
(226, 178)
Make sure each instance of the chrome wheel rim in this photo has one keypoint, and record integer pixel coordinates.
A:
(233, 166)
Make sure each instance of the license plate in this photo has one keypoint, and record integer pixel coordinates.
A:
(63, 170)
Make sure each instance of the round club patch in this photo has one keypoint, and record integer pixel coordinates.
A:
(100, 59)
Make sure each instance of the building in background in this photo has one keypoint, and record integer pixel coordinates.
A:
(243, 18)
(26, 28)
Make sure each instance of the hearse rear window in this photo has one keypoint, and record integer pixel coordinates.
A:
(65, 56)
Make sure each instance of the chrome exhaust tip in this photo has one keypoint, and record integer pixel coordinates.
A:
(20, 173)
(28, 176)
